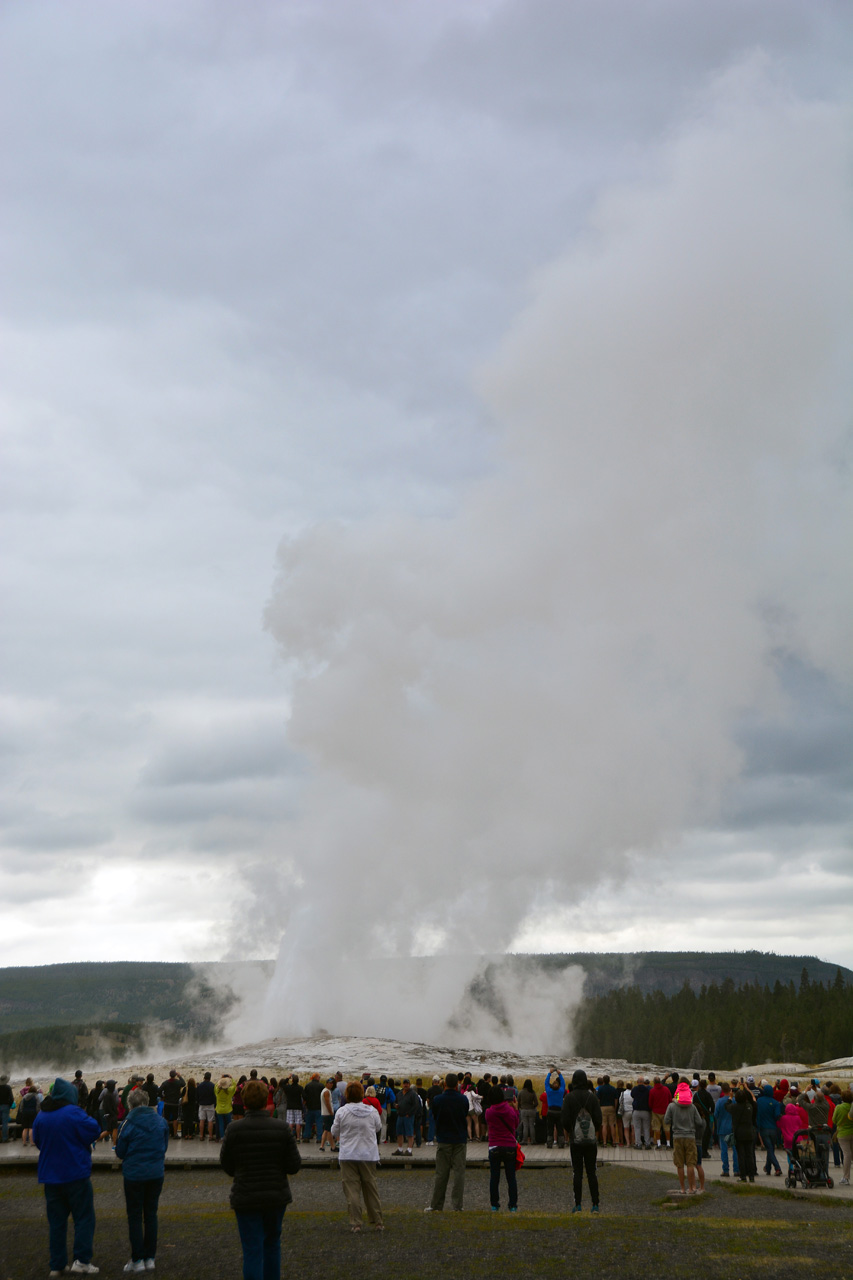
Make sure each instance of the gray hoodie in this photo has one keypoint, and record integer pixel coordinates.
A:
(684, 1120)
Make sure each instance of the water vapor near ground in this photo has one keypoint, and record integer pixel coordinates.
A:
(500, 706)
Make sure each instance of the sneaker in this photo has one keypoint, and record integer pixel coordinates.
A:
(398, 1152)
(576, 1209)
(844, 1182)
(149, 1264)
(595, 1209)
(724, 1174)
(79, 1268)
(134, 1266)
(429, 1209)
(513, 1208)
(63, 1272)
(408, 1151)
(495, 1208)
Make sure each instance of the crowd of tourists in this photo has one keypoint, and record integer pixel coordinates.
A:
(355, 1119)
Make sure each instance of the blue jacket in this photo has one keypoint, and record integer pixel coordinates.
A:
(555, 1096)
(768, 1109)
(142, 1144)
(451, 1116)
(64, 1135)
(722, 1117)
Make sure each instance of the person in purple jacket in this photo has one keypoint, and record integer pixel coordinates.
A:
(502, 1122)
(64, 1135)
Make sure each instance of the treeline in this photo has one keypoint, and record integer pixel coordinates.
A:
(721, 1025)
(61, 1047)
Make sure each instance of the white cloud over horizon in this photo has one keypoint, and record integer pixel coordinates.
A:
(326, 277)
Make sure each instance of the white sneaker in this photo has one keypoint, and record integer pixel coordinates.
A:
(134, 1266)
(149, 1264)
(844, 1182)
(79, 1268)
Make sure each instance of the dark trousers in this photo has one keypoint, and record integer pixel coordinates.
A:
(260, 1236)
(76, 1198)
(745, 1158)
(554, 1128)
(584, 1156)
(502, 1158)
(141, 1200)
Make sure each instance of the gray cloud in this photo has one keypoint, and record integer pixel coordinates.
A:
(252, 259)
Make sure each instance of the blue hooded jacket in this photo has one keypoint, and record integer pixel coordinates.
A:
(555, 1096)
(142, 1144)
(723, 1118)
(64, 1135)
(768, 1109)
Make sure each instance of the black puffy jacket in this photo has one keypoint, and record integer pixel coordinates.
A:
(259, 1152)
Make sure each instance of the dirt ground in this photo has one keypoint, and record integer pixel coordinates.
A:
(728, 1234)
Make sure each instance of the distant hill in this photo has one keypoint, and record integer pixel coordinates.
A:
(194, 998)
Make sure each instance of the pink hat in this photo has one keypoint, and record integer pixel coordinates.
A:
(683, 1094)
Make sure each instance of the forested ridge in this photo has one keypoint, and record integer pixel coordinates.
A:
(722, 1024)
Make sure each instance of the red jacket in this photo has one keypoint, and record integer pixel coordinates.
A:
(373, 1102)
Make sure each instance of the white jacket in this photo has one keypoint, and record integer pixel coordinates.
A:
(355, 1128)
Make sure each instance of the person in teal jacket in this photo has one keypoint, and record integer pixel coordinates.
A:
(141, 1146)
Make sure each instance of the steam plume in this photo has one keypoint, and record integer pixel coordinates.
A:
(499, 706)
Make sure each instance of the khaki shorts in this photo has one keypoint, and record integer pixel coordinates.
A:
(608, 1116)
(684, 1153)
(657, 1122)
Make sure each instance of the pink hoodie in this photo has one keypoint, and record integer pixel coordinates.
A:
(788, 1124)
(502, 1121)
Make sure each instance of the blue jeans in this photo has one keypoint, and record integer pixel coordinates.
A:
(431, 1128)
(725, 1140)
(141, 1200)
(313, 1124)
(222, 1122)
(76, 1198)
(4, 1122)
(502, 1158)
(768, 1141)
(260, 1236)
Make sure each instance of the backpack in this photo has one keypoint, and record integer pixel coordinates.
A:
(583, 1133)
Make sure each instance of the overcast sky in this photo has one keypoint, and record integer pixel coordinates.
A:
(515, 325)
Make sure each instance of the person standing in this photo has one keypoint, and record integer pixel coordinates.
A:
(224, 1091)
(768, 1111)
(555, 1092)
(724, 1130)
(641, 1114)
(580, 1117)
(686, 1124)
(313, 1111)
(294, 1102)
(608, 1096)
(141, 1147)
(7, 1101)
(409, 1113)
(356, 1127)
(659, 1099)
(64, 1135)
(450, 1110)
(108, 1102)
(260, 1154)
(172, 1091)
(742, 1111)
(327, 1114)
(528, 1110)
(501, 1124)
(844, 1133)
(206, 1099)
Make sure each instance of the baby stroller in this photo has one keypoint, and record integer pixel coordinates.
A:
(810, 1158)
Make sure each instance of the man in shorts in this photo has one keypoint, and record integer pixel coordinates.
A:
(206, 1096)
(659, 1100)
(327, 1115)
(172, 1091)
(686, 1125)
(408, 1115)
